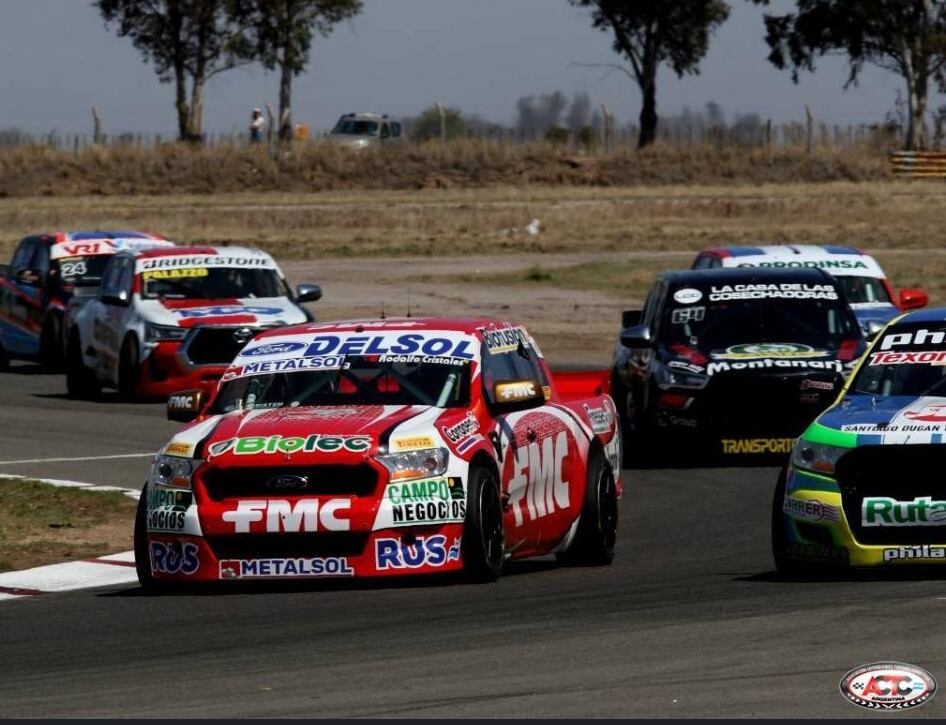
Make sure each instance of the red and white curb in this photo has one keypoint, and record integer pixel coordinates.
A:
(86, 574)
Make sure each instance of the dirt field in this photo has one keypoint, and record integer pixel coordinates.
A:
(462, 251)
(43, 524)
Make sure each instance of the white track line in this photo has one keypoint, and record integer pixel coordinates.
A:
(81, 458)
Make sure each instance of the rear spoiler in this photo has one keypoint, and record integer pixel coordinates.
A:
(573, 384)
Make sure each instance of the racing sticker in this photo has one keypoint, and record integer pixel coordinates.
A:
(431, 501)
(504, 340)
(261, 367)
(174, 557)
(148, 264)
(601, 418)
(684, 315)
(190, 313)
(884, 511)
(757, 446)
(722, 366)
(275, 516)
(314, 443)
(274, 348)
(775, 351)
(186, 273)
(922, 421)
(172, 511)
(410, 347)
(293, 567)
(432, 551)
(784, 291)
(810, 510)
(919, 551)
(687, 296)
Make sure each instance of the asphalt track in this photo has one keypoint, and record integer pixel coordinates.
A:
(689, 621)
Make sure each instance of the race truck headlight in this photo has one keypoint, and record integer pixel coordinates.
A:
(667, 378)
(162, 333)
(816, 457)
(173, 471)
(415, 464)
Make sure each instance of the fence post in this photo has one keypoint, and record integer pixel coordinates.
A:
(441, 114)
(810, 129)
(96, 126)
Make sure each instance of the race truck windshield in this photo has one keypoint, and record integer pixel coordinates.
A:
(716, 324)
(907, 360)
(358, 380)
(83, 271)
(211, 283)
(859, 290)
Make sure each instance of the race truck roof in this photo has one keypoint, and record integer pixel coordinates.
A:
(837, 260)
(93, 243)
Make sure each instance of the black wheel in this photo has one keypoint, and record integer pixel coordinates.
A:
(596, 536)
(484, 535)
(50, 342)
(80, 381)
(142, 558)
(785, 565)
(4, 359)
(128, 370)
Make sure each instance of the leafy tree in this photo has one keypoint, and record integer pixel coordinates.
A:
(184, 40)
(427, 125)
(649, 33)
(907, 37)
(282, 32)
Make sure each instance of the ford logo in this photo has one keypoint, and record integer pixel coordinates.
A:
(273, 348)
(287, 483)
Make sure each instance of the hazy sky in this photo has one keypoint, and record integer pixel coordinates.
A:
(57, 59)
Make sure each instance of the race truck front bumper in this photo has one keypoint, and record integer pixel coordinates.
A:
(745, 414)
(825, 520)
(249, 523)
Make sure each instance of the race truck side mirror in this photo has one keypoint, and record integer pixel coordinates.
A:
(308, 293)
(913, 299)
(873, 327)
(185, 406)
(115, 297)
(512, 395)
(637, 336)
(631, 318)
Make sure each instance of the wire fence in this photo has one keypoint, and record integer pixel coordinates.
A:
(742, 135)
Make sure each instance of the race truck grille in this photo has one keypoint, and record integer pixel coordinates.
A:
(285, 546)
(762, 404)
(900, 472)
(214, 345)
(261, 482)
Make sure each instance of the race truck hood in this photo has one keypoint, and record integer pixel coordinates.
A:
(264, 311)
(327, 434)
(866, 420)
(760, 359)
(879, 312)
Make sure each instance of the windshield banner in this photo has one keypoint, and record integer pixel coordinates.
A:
(148, 264)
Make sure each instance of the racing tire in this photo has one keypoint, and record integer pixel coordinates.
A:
(81, 382)
(4, 359)
(148, 583)
(596, 536)
(785, 565)
(128, 370)
(484, 535)
(50, 342)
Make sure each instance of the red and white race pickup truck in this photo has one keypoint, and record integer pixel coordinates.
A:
(383, 447)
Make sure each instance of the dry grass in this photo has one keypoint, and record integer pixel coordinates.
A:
(174, 168)
(43, 524)
(879, 215)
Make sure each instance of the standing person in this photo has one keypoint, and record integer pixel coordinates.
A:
(257, 124)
